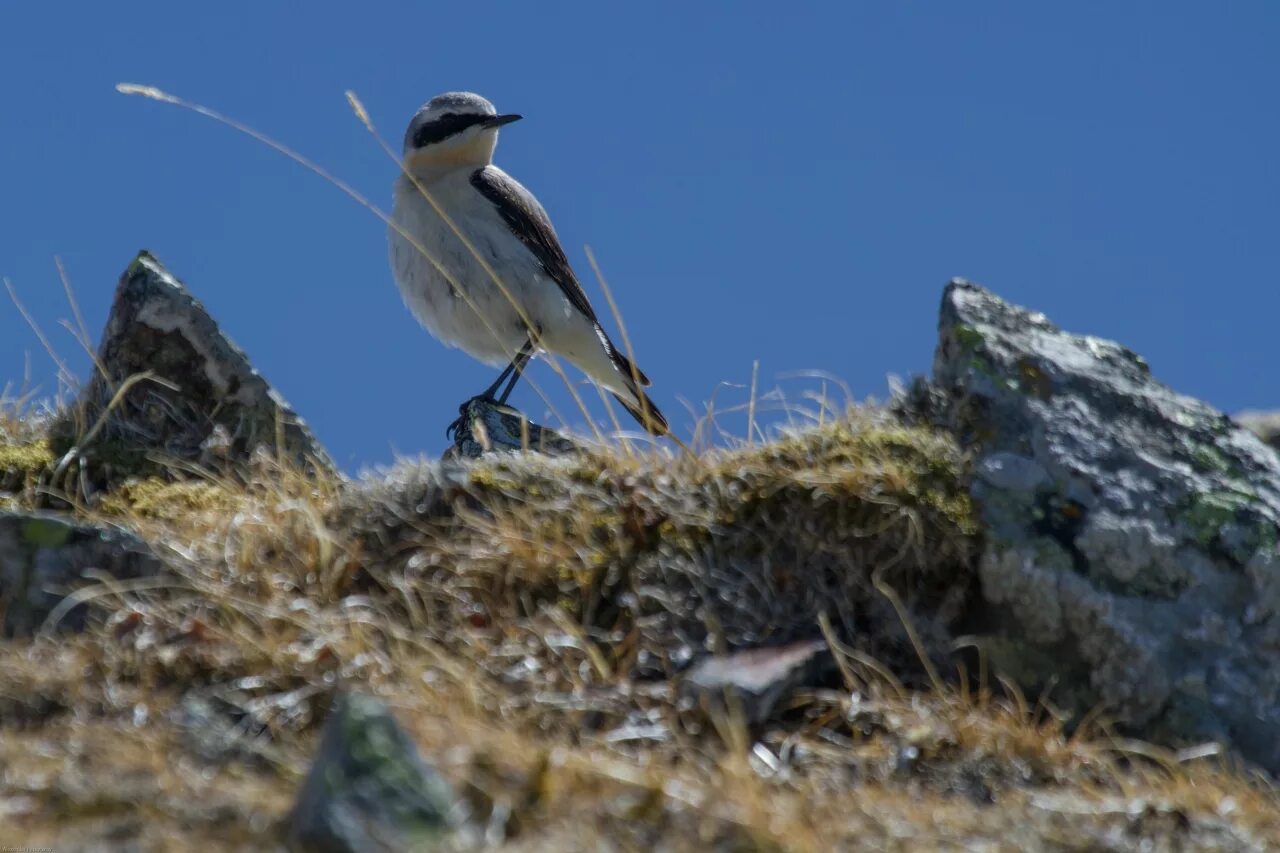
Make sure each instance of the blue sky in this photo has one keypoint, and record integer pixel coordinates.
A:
(793, 187)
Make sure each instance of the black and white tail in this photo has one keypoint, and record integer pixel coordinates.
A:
(639, 404)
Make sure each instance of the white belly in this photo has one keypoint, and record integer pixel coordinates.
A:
(463, 306)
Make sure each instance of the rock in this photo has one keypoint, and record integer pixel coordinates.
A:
(369, 789)
(205, 403)
(43, 557)
(487, 427)
(220, 725)
(1130, 532)
(756, 681)
(1266, 425)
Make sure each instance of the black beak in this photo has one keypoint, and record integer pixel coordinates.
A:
(499, 121)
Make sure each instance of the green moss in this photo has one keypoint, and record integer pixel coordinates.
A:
(1208, 514)
(1268, 536)
(45, 533)
(968, 336)
(25, 459)
(980, 367)
(1209, 458)
(21, 466)
(158, 499)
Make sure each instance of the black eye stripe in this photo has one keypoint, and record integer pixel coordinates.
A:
(445, 126)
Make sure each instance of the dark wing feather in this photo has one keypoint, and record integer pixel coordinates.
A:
(625, 364)
(528, 221)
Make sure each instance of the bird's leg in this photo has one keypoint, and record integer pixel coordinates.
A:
(488, 393)
(517, 365)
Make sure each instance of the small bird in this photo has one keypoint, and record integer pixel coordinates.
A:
(537, 303)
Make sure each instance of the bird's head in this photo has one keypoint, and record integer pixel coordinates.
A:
(453, 129)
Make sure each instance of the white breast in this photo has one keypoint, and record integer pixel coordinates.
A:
(462, 306)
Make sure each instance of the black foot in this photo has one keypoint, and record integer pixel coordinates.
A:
(457, 424)
(453, 428)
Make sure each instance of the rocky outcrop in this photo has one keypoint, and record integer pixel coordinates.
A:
(1130, 532)
(44, 556)
(368, 789)
(171, 385)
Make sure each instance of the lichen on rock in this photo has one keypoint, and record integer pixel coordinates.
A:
(23, 464)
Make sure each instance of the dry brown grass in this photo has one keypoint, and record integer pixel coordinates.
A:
(527, 619)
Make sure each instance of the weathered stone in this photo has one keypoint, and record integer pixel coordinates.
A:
(754, 682)
(487, 427)
(43, 557)
(369, 789)
(220, 725)
(204, 401)
(1266, 425)
(1130, 532)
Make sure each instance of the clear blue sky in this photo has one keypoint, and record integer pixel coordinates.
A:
(793, 187)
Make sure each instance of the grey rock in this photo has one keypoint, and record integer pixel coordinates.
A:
(1265, 425)
(755, 681)
(1130, 531)
(369, 789)
(484, 427)
(232, 722)
(43, 557)
(206, 403)
(1011, 472)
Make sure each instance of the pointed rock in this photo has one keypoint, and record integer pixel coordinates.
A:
(175, 386)
(369, 789)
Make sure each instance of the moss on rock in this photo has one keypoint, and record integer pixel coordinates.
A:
(22, 464)
(157, 499)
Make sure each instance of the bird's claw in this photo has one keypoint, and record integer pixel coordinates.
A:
(452, 430)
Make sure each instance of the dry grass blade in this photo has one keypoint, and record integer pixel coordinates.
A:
(116, 399)
(65, 376)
